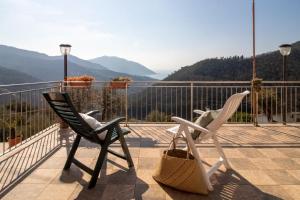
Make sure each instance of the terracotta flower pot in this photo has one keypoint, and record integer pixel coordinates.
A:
(14, 141)
(62, 124)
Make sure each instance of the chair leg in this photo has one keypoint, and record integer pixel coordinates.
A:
(126, 151)
(98, 166)
(221, 152)
(72, 152)
(196, 154)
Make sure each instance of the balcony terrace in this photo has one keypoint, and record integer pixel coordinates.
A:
(265, 159)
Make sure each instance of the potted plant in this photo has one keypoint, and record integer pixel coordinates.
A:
(80, 81)
(120, 82)
(14, 138)
(256, 84)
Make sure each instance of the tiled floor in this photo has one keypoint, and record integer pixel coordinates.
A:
(258, 172)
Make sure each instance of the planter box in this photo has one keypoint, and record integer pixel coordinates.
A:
(80, 83)
(118, 85)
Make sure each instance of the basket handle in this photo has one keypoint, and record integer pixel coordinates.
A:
(174, 145)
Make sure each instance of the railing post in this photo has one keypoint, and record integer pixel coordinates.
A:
(255, 88)
(61, 86)
(192, 99)
(126, 104)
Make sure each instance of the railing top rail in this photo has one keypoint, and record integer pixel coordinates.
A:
(213, 82)
(156, 81)
(26, 84)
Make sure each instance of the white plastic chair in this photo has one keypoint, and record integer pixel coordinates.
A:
(184, 128)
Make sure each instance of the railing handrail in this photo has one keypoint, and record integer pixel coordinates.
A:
(155, 81)
(25, 84)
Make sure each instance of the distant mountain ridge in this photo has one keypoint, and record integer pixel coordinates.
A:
(7, 74)
(122, 65)
(48, 68)
(238, 68)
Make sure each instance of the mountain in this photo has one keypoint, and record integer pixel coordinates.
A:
(81, 62)
(122, 65)
(238, 68)
(6, 75)
(49, 68)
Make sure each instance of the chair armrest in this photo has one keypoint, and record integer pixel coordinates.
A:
(109, 125)
(93, 113)
(200, 112)
(190, 124)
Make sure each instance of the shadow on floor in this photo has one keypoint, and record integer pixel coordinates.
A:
(227, 185)
(121, 184)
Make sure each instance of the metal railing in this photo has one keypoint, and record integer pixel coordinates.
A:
(157, 101)
(24, 112)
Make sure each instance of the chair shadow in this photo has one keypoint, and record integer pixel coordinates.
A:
(227, 185)
(117, 185)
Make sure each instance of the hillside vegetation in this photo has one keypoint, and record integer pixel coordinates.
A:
(238, 68)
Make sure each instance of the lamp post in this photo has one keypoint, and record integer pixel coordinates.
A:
(65, 50)
(285, 50)
(255, 83)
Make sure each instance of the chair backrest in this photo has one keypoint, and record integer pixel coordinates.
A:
(63, 107)
(230, 106)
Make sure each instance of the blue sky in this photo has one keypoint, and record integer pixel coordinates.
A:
(161, 34)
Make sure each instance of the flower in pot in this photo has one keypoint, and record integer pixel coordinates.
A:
(80, 81)
(120, 82)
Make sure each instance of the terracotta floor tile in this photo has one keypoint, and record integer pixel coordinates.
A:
(265, 163)
(290, 152)
(296, 160)
(57, 192)
(148, 163)
(150, 153)
(53, 163)
(42, 176)
(121, 177)
(119, 163)
(282, 177)
(172, 194)
(257, 177)
(208, 152)
(81, 192)
(113, 191)
(73, 175)
(294, 173)
(242, 164)
(145, 177)
(272, 153)
(251, 153)
(233, 153)
(149, 192)
(293, 191)
(286, 163)
(274, 192)
(239, 192)
(230, 177)
(25, 191)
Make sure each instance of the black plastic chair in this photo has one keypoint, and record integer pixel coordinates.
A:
(63, 107)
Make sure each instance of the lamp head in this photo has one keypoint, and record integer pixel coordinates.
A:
(285, 49)
(65, 49)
